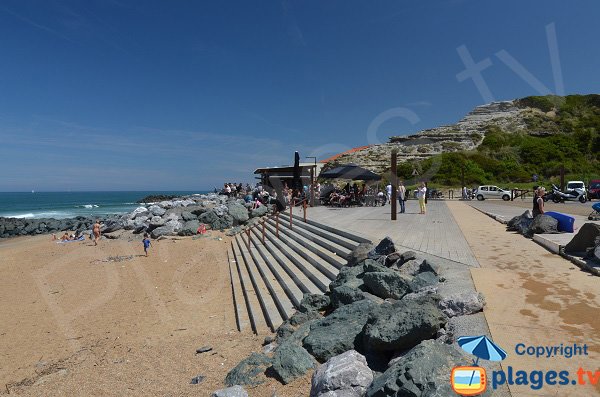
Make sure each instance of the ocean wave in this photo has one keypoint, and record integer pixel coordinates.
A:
(87, 206)
(30, 215)
(20, 216)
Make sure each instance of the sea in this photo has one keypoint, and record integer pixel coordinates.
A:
(60, 205)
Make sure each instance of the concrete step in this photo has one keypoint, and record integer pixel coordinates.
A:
(241, 314)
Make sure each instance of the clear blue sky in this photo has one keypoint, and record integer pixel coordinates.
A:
(133, 95)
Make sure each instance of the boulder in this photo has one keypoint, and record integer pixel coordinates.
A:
(260, 211)
(234, 391)
(188, 216)
(157, 221)
(111, 226)
(190, 228)
(284, 331)
(314, 302)
(404, 324)
(387, 284)
(291, 361)
(225, 222)
(170, 228)
(585, 238)
(462, 303)
(340, 331)
(238, 212)
(422, 280)
(350, 276)
(423, 372)
(520, 223)
(360, 253)
(220, 210)
(542, 224)
(300, 318)
(344, 375)
(345, 295)
(138, 211)
(209, 217)
(155, 210)
(250, 371)
(384, 248)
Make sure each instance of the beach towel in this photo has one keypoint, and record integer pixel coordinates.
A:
(82, 238)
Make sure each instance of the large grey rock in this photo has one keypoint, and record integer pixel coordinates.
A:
(597, 253)
(249, 372)
(238, 212)
(404, 324)
(314, 302)
(422, 372)
(542, 224)
(384, 248)
(188, 216)
(350, 276)
(155, 210)
(340, 331)
(360, 253)
(415, 266)
(345, 295)
(209, 217)
(300, 318)
(423, 280)
(520, 223)
(387, 284)
(462, 303)
(234, 391)
(190, 228)
(585, 238)
(138, 211)
(291, 361)
(260, 211)
(344, 375)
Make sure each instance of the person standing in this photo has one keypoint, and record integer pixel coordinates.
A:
(388, 190)
(402, 197)
(96, 231)
(421, 194)
(146, 242)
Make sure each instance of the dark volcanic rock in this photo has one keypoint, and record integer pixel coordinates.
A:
(422, 372)
(188, 216)
(300, 318)
(350, 276)
(258, 212)
(344, 375)
(542, 224)
(585, 238)
(387, 284)
(340, 331)
(385, 247)
(314, 302)
(345, 295)
(155, 198)
(405, 324)
(360, 253)
(238, 212)
(190, 228)
(291, 361)
(422, 280)
(249, 371)
(520, 223)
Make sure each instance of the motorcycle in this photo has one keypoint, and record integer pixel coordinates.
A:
(570, 195)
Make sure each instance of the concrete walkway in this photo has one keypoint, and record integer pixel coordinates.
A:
(435, 233)
(535, 298)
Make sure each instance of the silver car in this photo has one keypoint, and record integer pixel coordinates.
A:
(492, 192)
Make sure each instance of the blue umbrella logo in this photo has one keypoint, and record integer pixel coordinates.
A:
(481, 347)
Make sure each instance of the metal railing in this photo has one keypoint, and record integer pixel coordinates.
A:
(275, 215)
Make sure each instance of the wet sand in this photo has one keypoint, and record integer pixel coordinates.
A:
(533, 297)
(74, 321)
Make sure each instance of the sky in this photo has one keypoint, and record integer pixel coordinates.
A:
(186, 95)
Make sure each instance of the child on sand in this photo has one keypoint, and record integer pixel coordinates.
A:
(146, 242)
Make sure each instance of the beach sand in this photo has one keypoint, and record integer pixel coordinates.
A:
(73, 322)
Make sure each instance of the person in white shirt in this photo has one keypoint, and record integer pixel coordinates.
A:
(421, 194)
(402, 197)
(388, 190)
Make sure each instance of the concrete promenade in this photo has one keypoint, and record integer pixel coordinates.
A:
(533, 297)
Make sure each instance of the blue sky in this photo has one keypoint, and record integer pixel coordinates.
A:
(157, 95)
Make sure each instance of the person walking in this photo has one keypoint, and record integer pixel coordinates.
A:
(96, 231)
(402, 197)
(388, 190)
(421, 194)
(146, 242)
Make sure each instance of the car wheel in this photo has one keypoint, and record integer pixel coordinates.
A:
(480, 197)
(506, 197)
(582, 199)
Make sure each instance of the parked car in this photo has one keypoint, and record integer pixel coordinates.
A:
(594, 189)
(491, 192)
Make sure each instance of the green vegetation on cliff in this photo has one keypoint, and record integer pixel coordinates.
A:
(561, 131)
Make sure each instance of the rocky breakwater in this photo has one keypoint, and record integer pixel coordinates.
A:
(384, 328)
(179, 216)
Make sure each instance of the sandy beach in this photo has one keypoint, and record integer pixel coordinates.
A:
(82, 320)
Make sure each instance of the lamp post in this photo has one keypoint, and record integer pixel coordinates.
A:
(312, 181)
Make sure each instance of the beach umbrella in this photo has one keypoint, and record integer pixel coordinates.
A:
(481, 347)
(350, 171)
(297, 181)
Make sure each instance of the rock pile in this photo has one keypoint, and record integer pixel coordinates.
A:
(526, 225)
(586, 242)
(382, 329)
(178, 216)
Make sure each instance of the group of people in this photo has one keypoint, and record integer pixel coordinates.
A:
(234, 189)
(402, 194)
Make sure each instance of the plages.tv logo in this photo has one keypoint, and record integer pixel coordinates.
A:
(472, 380)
